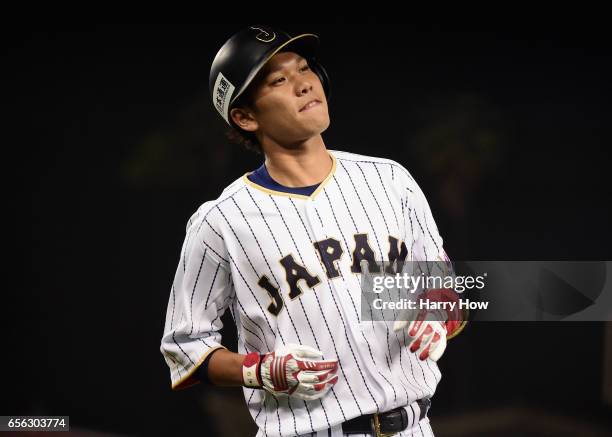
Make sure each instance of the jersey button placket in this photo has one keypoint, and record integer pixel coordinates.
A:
(319, 234)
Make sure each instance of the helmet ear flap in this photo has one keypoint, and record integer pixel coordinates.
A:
(320, 71)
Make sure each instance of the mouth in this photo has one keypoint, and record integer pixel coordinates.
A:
(310, 105)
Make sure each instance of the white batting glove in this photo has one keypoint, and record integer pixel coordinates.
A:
(427, 335)
(292, 370)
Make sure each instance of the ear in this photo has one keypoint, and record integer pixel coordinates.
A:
(244, 119)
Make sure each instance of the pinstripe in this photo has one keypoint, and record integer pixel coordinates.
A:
(265, 317)
(432, 372)
(254, 334)
(412, 234)
(203, 219)
(209, 247)
(253, 348)
(213, 229)
(173, 294)
(254, 323)
(265, 258)
(356, 228)
(295, 245)
(365, 179)
(286, 308)
(379, 161)
(401, 349)
(301, 303)
(349, 294)
(265, 404)
(382, 184)
(342, 233)
(211, 285)
(341, 319)
(212, 322)
(239, 241)
(414, 416)
(278, 417)
(204, 341)
(364, 208)
(182, 350)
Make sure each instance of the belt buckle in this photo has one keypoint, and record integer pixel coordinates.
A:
(376, 427)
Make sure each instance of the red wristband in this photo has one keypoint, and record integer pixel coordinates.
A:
(250, 370)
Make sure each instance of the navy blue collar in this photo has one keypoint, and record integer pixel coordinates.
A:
(262, 177)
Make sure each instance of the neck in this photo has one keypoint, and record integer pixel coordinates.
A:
(301, 166)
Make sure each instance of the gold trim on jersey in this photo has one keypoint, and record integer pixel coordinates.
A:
(185, 379)
(296, 196)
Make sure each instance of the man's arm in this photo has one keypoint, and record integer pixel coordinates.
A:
(223, 368)
(201, 292)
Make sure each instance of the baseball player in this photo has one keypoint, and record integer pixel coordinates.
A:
(283, 248)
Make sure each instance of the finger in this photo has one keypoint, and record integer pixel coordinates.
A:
(326, 384)
(421, 338)
(399, 325)
(432, 336)
(317, 366)
(303, 351)
(308, 391)
(427, 345)
(431, 340)
(307, 376)
(311, 388)
(440, 347)
(417, 328)
(423, 355)
(428, 336)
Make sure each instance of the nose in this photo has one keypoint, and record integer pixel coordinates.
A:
(303, 87)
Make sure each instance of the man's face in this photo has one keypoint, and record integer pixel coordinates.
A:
(281, 98)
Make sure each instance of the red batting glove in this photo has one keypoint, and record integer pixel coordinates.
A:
(293, 370)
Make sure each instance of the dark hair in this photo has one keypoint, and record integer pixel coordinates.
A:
(244, 139)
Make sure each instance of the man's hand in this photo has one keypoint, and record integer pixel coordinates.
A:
(431, 329)
(293, 370)
(427, 335)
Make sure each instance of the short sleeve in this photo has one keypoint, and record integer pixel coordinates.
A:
(201, 292)
(428, 247)
(426, 243)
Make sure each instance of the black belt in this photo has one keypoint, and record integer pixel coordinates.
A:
(384, 424)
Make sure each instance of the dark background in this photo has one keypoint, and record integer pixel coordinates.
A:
(115, 144)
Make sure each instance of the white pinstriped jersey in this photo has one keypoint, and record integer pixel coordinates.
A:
(287, 267)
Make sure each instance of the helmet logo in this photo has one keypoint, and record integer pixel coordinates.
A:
(222, 95)
(264, 35)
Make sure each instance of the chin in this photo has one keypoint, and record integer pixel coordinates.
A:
(318, 129)
(320, 124)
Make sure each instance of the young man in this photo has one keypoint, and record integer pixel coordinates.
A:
(283, 248)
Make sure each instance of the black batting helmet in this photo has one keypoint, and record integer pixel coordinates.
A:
(246, 52)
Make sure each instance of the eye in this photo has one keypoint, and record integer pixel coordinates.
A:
(279, 80)
(305, 67)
